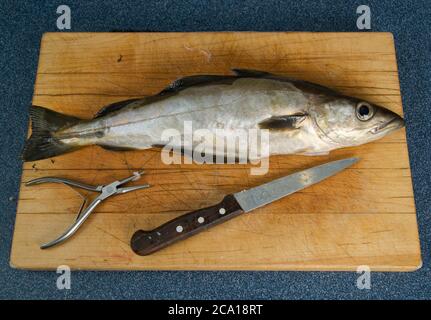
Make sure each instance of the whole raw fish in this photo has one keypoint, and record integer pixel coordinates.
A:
(302, 117)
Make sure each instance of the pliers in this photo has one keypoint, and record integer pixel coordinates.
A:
(105, 192)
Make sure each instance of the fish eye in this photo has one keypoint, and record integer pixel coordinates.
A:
(364, 111)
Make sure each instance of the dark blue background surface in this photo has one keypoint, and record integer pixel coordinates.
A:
(22, 25)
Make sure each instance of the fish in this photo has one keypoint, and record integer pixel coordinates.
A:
(301, 117)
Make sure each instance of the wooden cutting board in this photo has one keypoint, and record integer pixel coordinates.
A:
(363, 216)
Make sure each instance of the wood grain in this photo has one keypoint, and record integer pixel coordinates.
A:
(363, 216)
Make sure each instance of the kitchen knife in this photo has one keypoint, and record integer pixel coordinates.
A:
(147, 242)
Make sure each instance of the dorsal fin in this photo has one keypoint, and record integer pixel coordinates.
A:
(251, 73)
(315, 88)
(191, 81)
(300, 84)
(174, 87)
(114, 107)
(198, 80)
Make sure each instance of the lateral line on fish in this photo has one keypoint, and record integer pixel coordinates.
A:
(180, 113)
(89, 131)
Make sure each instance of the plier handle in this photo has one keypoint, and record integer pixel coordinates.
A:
(105, 191)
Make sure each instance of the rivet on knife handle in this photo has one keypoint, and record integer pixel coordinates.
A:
(146, 242)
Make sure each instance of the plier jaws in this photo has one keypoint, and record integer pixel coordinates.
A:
(105, 191)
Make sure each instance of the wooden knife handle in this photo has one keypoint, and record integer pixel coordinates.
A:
(146, 242)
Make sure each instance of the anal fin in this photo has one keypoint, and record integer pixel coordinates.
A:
(116, 148)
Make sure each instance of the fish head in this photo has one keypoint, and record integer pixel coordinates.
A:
(348, 121)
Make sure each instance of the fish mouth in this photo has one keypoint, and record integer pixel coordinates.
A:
(391, 125)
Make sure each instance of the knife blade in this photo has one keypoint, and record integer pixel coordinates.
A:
(146, 242)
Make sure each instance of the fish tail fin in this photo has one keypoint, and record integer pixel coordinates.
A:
(42, 143)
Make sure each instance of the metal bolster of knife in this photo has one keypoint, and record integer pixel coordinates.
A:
(146, 242)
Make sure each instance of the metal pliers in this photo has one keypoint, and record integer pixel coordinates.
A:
(105, 191)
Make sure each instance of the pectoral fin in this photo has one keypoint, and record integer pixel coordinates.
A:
(287, 122)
